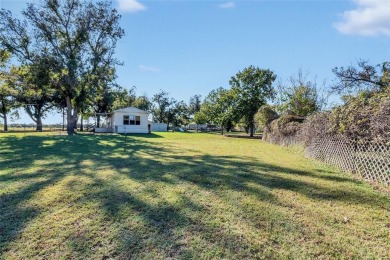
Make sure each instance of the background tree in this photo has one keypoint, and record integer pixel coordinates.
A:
(34, 93)
(219, 107)
(252, 86)
(80, 36)
(178, 113)
(143, 102)
(362, 77)
(161, 104)
(124, 97)
(7, 92)
(300, 96)
(200, 117)
(194, 105)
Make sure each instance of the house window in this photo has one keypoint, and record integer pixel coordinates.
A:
(126, 120)
(131, 120)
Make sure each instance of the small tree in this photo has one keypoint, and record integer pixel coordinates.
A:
(300, 96)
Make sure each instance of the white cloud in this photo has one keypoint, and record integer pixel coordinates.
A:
(148, 68)
(370, 18)
(130, 6)
(227, 5)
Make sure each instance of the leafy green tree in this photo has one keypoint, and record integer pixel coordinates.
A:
(301, 97)
(220, 108)
(178, 113)
(201, 117)
(7, 92)
(252, 86)
(80, 37)
(194, 105)
(302, 101)
(161, 106)
(124, 97)
(32, 84)
(143, 102)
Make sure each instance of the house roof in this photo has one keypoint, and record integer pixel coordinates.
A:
(130, 110)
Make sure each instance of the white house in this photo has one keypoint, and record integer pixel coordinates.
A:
(130, 120)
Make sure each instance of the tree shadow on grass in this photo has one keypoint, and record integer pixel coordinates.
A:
(164, 225)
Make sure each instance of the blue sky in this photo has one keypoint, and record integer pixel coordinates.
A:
(192, 47)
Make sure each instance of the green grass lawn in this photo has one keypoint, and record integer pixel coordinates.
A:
(180, 195)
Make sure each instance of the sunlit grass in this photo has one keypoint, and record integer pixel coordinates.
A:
(180, 195)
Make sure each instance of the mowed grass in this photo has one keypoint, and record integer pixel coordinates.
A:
(180, 195)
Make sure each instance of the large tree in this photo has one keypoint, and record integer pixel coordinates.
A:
(32, 84)
(253, 86)
(80, 36)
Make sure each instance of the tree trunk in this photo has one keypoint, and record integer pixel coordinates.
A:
(71, 116)
(81, 124)
(63, 119)
(97, 121)
(5, 122)
(39, 124)
(221, 129)
(251, 129)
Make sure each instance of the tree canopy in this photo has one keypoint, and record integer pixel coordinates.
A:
(362, 77)
(7, 92)
(253, 86)
(78, 37)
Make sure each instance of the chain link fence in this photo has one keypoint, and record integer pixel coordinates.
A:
(371, 160)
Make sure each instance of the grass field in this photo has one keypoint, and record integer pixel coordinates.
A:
(180, 195)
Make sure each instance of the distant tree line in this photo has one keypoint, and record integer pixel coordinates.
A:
(65, 56)
(254, 102)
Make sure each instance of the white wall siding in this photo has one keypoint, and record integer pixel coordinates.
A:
(117, 121)
(159, 127)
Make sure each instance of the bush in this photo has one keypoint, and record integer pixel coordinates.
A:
(265, 115)
(363, 118)
(284, 130)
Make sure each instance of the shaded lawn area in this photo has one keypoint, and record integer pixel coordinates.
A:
(180, 195)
